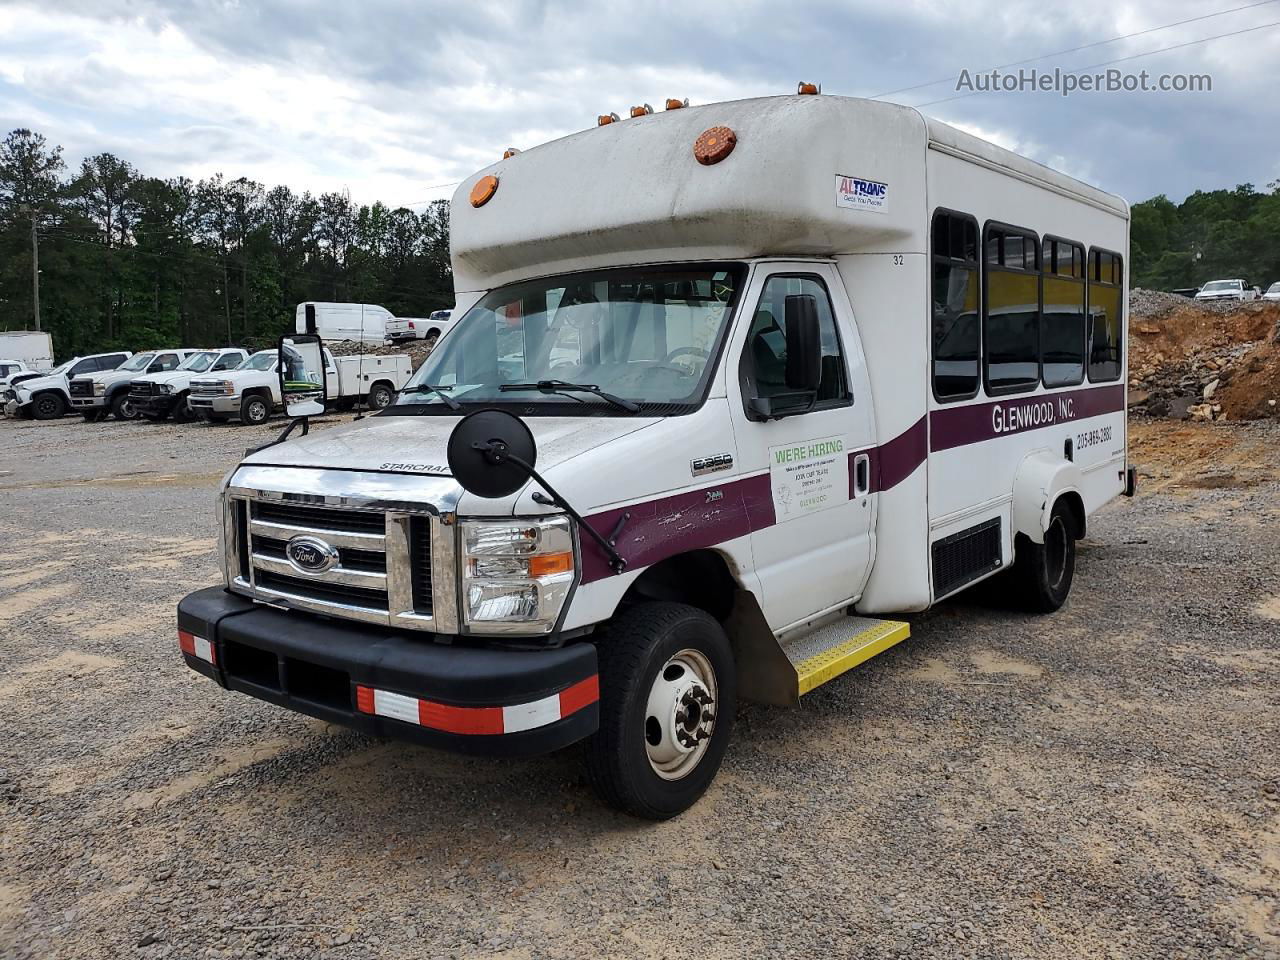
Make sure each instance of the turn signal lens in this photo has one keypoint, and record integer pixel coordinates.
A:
(808, 89)
(550, 564)
(641, 110)
(605, 118)
(508, 153)
(673, 104)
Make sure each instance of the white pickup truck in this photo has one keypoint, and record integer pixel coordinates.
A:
(157, 395)
(252, 391)
(95, 395)
(47, 397)
(1227, 290)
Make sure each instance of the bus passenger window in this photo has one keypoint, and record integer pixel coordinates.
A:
(1011, 312)
(1063, 331)
(954, 296)
(1106, 299)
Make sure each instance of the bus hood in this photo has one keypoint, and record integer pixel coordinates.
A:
(416, 444)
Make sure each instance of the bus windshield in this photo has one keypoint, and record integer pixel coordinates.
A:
(647, 335)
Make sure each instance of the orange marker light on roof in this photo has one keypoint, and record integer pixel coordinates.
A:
(674, 104)
(714, 145)
(641, 111)
(808, 89)
(484, 190)
(605, 118)
(508, 153)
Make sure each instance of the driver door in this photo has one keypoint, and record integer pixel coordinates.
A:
(814, 554)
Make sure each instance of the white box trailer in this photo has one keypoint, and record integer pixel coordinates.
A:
(32, 347)
(787, 365)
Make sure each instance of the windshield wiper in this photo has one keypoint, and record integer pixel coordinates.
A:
(563, 386)
(438, 390)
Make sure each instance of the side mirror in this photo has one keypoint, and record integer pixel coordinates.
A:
(804, 342)
(302, 375)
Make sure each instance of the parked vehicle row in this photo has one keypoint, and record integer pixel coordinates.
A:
(189, 383)
(368, 323)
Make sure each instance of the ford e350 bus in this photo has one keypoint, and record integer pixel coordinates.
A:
(789, 367)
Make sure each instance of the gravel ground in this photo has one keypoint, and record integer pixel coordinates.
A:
(1098, 783)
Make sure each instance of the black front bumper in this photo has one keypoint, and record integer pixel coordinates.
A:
(155, 404)
(314, 665)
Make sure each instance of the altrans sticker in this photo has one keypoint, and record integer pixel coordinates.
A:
(858, 194)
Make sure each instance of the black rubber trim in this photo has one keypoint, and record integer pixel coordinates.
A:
(390, 660)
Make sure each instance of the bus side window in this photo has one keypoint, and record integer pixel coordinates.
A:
(954, 322)
(766, 348)
(1011, 310)
(1106, 286)
(1062, 334)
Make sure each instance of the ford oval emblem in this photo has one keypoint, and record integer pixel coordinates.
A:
(311, 555)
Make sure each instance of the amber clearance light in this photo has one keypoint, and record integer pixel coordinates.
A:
(808, 89)
(606, 118)
(674, 104)
(714, 145)
(484, 190)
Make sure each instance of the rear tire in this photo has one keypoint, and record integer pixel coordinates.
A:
(668, 693)
(381, 396)
(1044, 571)
(254, 410)
(48, 406)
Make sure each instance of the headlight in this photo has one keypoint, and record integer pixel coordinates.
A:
(516, 574)
(99, 389)
(226, 387)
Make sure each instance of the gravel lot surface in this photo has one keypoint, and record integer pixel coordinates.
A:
(1098, 783)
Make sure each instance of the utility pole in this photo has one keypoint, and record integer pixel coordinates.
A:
(35, 262)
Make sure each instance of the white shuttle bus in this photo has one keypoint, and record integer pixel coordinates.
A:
(733, 387)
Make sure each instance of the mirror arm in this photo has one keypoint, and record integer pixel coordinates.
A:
(496, 451)
(284, 435)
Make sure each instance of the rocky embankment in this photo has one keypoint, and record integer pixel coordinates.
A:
(1203, 361)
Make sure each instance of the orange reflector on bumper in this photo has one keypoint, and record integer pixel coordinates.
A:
(197, 647)
(479, 720)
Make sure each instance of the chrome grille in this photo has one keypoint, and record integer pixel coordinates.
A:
(206, 388)
(383, 571)
(143, 388)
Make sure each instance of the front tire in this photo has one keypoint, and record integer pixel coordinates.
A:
(122, 408)
(254, 410)
(1046, 570)
(48, 406)
(668, 694)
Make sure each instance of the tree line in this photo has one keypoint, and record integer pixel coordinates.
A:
(132, 262)
(1211, 235)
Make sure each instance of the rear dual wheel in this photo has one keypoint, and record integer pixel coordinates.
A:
(668, 692)
(1044, 571)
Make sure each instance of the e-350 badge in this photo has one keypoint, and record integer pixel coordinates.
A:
(703, 465)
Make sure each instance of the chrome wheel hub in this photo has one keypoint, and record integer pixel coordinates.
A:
(680, 714)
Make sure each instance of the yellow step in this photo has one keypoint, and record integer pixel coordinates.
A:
(837, 647)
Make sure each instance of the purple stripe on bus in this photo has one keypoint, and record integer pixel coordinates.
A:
(696, 519)
(657, 529)
(958, 426)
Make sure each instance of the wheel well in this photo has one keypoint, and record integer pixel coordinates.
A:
(433, 332)
(382, 383)
(700, 578)
(255, 392)
(1074, 506)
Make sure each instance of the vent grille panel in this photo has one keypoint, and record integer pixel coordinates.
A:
(963, 557)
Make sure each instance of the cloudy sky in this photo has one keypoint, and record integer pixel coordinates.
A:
(391, 100)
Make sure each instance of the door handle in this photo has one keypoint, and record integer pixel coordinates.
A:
(861, 475)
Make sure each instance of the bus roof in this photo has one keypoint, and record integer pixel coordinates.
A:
(809, 176)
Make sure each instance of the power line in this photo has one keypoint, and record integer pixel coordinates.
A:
(1096, 43)
(1108, 63)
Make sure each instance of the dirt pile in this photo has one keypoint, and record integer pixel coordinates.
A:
(417, 350)
(1203, 361)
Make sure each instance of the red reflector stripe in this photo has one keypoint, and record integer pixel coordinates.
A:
(581, 694)
(187, 642)
(197, 647)
(470, 720)
(512, 718)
